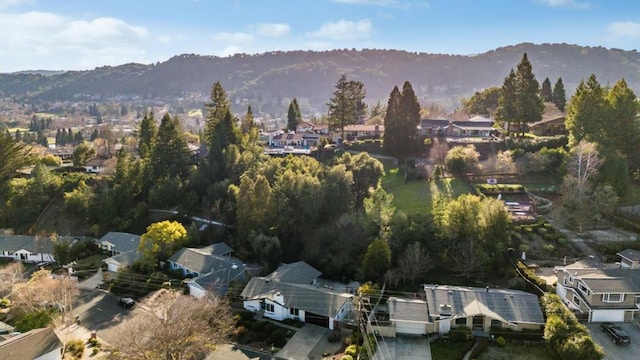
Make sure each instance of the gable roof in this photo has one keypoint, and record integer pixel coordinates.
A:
(121, 241)
(630, 254)
(14, 243)
(97, 162)
(612, 280)
(364, 127)
(125, 258)
(219, 278)
(295, 273)
(30, 345)
(221, 249)
(309, 298)
(202, 261)
(510, 306)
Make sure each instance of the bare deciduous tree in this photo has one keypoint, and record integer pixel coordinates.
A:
(175, 327)
(43, 290)
(10, 275)
(438, 152)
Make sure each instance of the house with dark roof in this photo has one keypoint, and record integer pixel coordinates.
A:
(123, 248)
(601, 292)
(552, 122)
(446, 307)
(96, 165)
(293, 292)
(29, 249)
(629, 258)
(36, 344)
(475, 127)
(359, 132)
(211, 268)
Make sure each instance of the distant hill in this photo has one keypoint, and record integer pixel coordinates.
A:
(264, 80)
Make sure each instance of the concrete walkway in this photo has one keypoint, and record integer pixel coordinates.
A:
(403, 348)
(467, 356)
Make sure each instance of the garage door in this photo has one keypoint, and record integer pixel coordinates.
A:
(404, 327)
(607, 315)
(316, 319)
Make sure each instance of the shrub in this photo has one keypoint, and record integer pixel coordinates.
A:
(351, 350)
(542, 231)
(243, 316)
(5, 303)
(460, 334)
(93, 342)
(549, 247)
(531, 276)
(34, 320)
(95, 351)
(278, 338)
(346, 357)
(75, 348)
(500, 341)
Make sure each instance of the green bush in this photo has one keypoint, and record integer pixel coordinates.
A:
(500, 341)
(5, 303)
(531, 276)
(542, 231)
(95, 351)
(34, 320)
(460, 334)
(243, 316)
(93, 342)
(346, 357)
(278, 338)
(75, 348)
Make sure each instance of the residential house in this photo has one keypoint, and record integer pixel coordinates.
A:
(96, 165)
(211, 268)
(629, 258)
(601, 292)
(36, 344)
(475, 127)
(445, 307)
(123, 248)
(290, 139)
(359, 132)
(27, 249)
(552, 122)
(293, 291)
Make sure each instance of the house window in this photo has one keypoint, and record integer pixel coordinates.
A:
(461, 321)
(294, 312)
(496, 323)
(613, 298)
(576, 299)
(637, 299)
(584, 288)
(268, 307)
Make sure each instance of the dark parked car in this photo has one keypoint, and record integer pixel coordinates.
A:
(126, 302)
(616, 333)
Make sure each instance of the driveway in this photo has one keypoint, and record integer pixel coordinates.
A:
(403, 348)
(303, 342)
(613, 351)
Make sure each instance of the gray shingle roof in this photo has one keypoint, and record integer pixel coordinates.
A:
(613, 280)
(14, 243)
(122, 242)
(295, 273)
(511, 306)
(630, 254)
(408, 310)
(217, 280)
(127, 258)
(220, 248)
(199, 260)
(309, 298)
(30, 345)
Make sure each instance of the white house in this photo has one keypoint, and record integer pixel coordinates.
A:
(36, 344)
(123, 248)
(212, 268)
(95, 165)
(28, 249)
(292, 292)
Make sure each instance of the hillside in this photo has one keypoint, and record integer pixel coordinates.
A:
(265, 79)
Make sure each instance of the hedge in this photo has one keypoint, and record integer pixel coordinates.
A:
(531, 276)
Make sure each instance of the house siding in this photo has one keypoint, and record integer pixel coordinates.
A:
(27, 257)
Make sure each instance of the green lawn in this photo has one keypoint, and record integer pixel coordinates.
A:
(415, 197)
(449, 350)
(517, 352)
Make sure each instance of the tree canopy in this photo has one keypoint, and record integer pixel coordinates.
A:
(346, 106)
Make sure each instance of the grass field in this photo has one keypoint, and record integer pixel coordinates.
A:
(415, 197)
(447, 350)
(517, 352)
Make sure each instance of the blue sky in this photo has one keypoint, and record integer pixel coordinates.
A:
(84, 34)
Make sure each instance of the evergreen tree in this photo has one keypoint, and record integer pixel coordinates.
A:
(215, 110)
(545, 91)
(622, 129)
(507, 112)
(529, 103)
(294, 118)
(587, 113)
(247, 122)
(170, 155)
(69, 138)
(392, 124)
(59, 138)
(559, 95)
(78, 138)
(346, 106)
(148, 134)
(18, 135)
(94, 135)
(520, 100)
(15, 156)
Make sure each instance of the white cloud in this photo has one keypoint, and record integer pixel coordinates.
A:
(230, 50)
(344, 30)
(624, 29)
(68, 43)
(572, 4)
(272, 29)
(232, 37)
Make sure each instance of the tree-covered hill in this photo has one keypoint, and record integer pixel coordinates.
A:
(268, 78)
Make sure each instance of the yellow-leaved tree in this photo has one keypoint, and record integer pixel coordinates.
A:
(161, 240)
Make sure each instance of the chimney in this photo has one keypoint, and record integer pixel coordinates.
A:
(487, 288)
(278, 298)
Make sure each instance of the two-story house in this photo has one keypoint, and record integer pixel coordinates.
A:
(600, 292)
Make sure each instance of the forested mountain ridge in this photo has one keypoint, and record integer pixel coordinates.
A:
(269, 77)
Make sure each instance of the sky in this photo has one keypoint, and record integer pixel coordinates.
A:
(84, 34)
